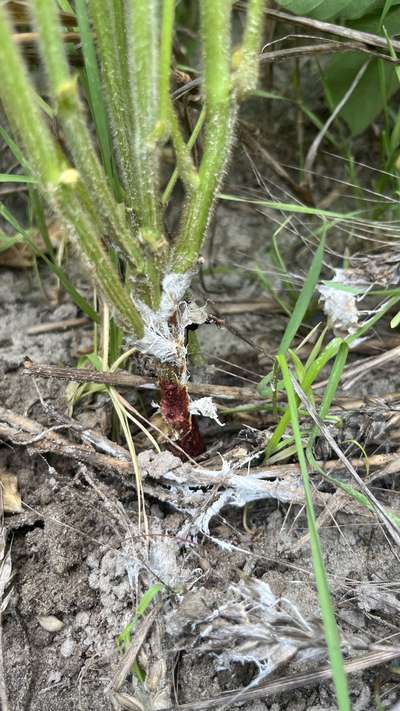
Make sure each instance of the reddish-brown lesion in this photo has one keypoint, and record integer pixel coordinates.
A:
(184, 430)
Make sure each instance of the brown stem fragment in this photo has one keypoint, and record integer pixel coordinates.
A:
(183, 427)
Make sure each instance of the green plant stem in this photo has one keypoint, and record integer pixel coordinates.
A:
(61, 184)
(109, 24)
(94, 86)
(167, 33)
(192, 140)
(246, 57)
(135, 153)
(168, 123)
(221, 112)
(104, 210)
(98, 260)
(331, 388)
(184, 161)
(143, 64)
(18, 98)
(326, 606)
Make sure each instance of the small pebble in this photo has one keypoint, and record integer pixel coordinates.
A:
(50, 623)
(67, 648)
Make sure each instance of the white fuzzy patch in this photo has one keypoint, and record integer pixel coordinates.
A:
(159, 340)
(340, 306)
(206, 407)
(174, 288)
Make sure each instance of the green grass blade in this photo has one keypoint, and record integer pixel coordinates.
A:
(291, 207)
(11, 178)
(327, 612)
(316, 349)
(7, 241)
(301, 306)
(348, 489)
(305, 296)
(124, 639)
(334, 379)
(331, 388)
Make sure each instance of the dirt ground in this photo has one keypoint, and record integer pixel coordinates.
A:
(81, 562)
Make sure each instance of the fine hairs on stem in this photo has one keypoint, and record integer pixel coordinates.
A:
(133, 43)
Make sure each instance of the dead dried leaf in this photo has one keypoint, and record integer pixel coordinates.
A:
(19, 255)
(9, 493)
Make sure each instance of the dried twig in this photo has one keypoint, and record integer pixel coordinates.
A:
(102, 453)
(353, 374)
(51, 326)
(230, 308)
(366, 38)
(313, 150)
(128, 380)
(331, 47)
(316, 50)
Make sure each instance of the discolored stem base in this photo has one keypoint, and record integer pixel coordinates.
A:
(184, 430)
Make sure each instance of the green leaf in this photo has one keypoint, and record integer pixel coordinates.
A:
(297, 208)
(334, 9)
(367, 99)
(14, 148)
(124, 638)
(305, 296)
(95, 361)
(395, 320)
(94, 86)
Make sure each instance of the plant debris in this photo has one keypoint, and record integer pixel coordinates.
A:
(250, 626)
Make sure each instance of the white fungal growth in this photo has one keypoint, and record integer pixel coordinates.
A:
(157, 340)
(174, 288)
(160, 340)
(206, 407)
(340, 306)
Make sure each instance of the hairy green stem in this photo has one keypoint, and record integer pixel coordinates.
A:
(221, 110)
(246, 57)
(143, 64)
(138, 161)
(185, 166)
(168, 123)
(19, 101)
(222, 93)
(109, 25)
(98, 261)
(167, 34)
(105, 211)
(95, 95)
(58, 181)
(176, 173)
